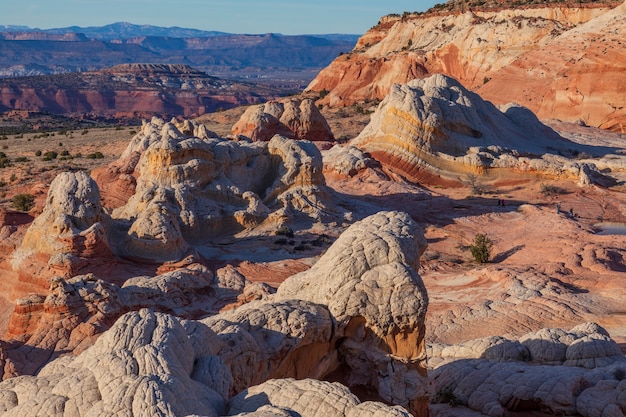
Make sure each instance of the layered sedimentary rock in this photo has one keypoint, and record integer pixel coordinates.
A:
(436, 126)
(129, 90)
(541, 52)
(72, 226)
(295, 119)
(553, 371)
(78, 309)
(578, 76)
(190, 189)
(364, 324)
(377, 301)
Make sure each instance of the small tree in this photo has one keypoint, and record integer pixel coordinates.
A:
(481, 248)
(23, 202)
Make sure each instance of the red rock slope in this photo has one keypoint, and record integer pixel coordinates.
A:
(477, 46)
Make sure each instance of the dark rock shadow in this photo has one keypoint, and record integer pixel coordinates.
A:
(504, 255)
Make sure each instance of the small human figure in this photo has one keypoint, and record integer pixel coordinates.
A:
(503, 203)
(558, 208)
(499, 202)
(571, 213)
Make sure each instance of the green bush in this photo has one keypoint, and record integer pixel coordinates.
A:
(50, 155)
(23, 202)
(95, 155)
(284, 231)
(481, 248)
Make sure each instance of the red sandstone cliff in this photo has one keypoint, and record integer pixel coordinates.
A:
(513, 52)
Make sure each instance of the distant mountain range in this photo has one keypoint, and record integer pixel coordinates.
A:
(26, 51)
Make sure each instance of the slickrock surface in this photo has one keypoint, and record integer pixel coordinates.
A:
(562, 61)
(295, 119)
(553, 371)
(288, 396)
(151, 363)
(435, 127)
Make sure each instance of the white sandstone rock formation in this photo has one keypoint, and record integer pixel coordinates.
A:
(191, 189)
(377, 301)
(346, 160)
(295, 119)
(72, 212)
(558, 372)
(78, 309)
(435, 125)
(291, 396)
(364, 323)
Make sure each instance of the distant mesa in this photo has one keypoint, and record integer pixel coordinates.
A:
(130, 91)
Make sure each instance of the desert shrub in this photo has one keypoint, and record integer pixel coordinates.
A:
(3, 183)
(481, 248)
(284, 231)
(21, 159)
(95, 155)
(65, 153)
(548, 190)
(281, 241)
(4, 160)
(37, 152)
(472, 180)
(50, 155)
(301, 247)
(23, 202)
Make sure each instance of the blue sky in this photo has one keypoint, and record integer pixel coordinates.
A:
(236, 16)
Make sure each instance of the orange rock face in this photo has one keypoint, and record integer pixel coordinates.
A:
(561, 62)
(577, 76)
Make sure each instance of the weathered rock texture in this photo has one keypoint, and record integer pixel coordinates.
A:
(551, 63)
(73, 227)
(578, 76)
(295, 119)
(576, 372)
(377, 301)
(190, 189)
(78, 309)
(363, 323)
(436, 126)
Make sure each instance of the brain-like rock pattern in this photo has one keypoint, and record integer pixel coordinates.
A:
(157, 364)
(575, 372)
(78, 309)
(72, 212)
(378, 303)
(186, 190)
(301, 396)
(295, 119)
